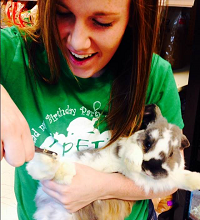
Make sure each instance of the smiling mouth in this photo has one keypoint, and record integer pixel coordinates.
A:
(81, 57)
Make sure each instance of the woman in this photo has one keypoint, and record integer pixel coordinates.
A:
(83, 72)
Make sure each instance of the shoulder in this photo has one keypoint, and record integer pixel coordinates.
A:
(163, 92)
(10, 37)
(161, 76)
(11, 42)
(14, 54)
(160, 68)
(159, 62)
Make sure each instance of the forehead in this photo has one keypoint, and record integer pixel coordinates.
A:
(91, 6)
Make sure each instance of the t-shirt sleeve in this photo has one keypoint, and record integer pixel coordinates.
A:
(163, 92)
(9, 44)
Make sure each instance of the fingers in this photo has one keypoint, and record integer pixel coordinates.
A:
(81, 192)
(56, 191)
(13, 152)
(54, 187)
(49, 188)
(2, 150)
(17, 143)
(61, 199)
(28, 144)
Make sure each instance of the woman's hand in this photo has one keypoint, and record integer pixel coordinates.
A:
(16, 141)
(87, 186)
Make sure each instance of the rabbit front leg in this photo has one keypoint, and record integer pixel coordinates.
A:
(65, 172)
(133, 158)
(132, 155)
(43, 167)
(187, 180)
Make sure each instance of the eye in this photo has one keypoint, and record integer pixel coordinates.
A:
(63, 14)
(102, 24)
(62, 11)
(171, 154)
(148, 144)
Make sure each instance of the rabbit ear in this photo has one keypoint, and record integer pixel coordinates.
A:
(151, 112)
(184, 142)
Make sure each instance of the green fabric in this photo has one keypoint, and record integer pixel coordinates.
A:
(162, 91)
(139, 211)
(63, 117)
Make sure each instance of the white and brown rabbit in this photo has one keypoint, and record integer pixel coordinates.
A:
(150, 157)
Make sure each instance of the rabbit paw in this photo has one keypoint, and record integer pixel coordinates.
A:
(42, 167)
(133, 158)
(65, 173)
(193, 181)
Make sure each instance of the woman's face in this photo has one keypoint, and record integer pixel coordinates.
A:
(91, 32)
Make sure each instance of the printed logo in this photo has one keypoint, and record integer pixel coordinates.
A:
(80, 134)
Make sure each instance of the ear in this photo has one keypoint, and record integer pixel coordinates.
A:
(184, 142)
(151, 112)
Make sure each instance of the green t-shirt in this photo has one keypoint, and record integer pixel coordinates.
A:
(64, 117)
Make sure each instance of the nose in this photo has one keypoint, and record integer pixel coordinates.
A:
(79, 37)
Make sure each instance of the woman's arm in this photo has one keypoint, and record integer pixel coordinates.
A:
(89, 185)
(124, 188)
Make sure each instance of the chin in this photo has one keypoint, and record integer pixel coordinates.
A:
(83, 74)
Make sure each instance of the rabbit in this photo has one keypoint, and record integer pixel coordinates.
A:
(151, 157)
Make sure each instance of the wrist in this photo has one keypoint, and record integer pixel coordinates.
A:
(118, 186)
(108, 187)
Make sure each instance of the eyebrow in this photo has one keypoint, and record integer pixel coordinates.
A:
(98, 13)
(62, 4)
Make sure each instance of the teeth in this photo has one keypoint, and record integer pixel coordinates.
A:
(81, 56)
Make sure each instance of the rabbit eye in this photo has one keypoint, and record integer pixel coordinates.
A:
(171, 154)
(148, 144)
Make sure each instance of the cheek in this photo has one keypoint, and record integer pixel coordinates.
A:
(109, 42)
(63, 29)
